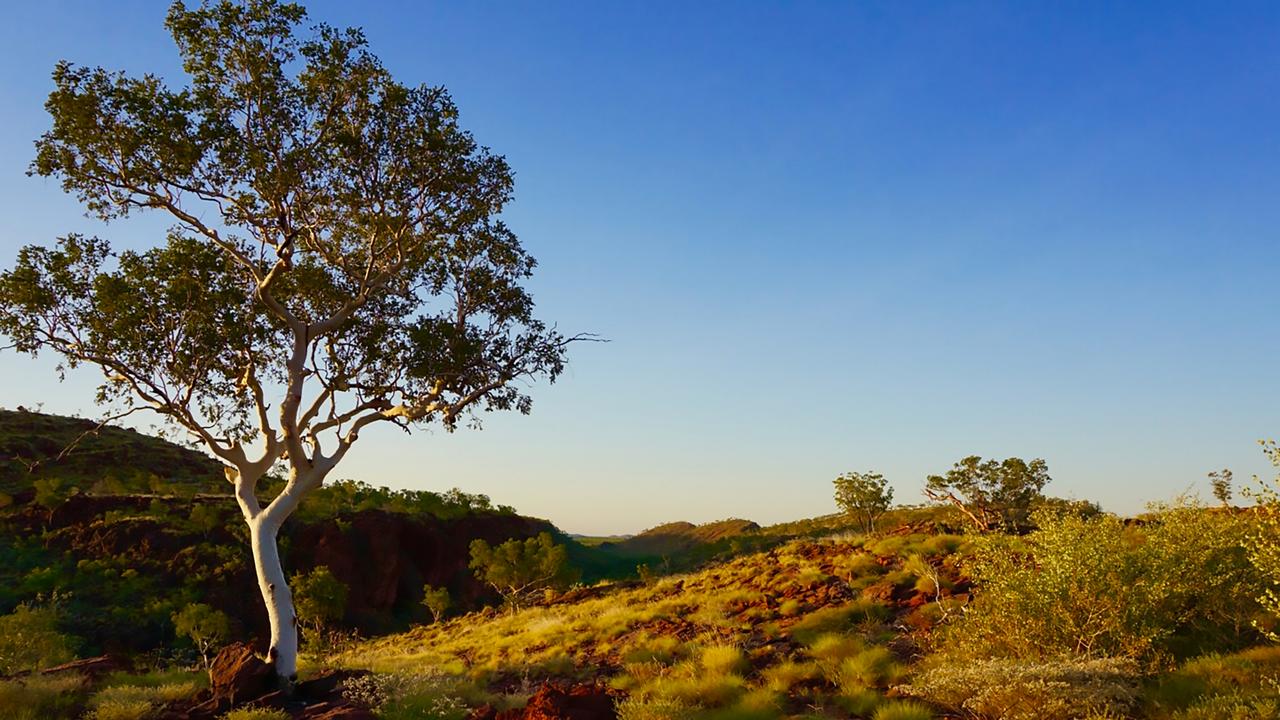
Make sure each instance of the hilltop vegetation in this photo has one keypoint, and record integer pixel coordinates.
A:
(107, 459)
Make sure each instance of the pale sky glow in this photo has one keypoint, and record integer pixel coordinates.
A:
(820, 237)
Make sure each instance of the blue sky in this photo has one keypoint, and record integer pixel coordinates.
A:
(820, 237)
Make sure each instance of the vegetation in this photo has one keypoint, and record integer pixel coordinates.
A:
(991, 494)
(320, 598)
(247, 327)
(522, 570)
(206, 627)
(864, 496)
(437, 601)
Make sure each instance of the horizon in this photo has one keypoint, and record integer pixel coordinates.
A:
(819, 239)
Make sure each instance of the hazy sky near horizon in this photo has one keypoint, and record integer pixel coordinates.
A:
(820, 237)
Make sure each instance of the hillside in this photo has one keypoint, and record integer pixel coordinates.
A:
(110, 459)
(768, 631)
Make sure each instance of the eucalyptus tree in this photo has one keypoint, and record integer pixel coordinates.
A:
(336, 259)
(994, 493)
(863, 496)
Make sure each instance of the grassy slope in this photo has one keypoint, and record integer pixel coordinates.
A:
(807, 628)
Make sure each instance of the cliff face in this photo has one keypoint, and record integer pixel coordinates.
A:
(146, 551)
(386, 558)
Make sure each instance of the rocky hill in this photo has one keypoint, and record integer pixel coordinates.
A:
(36, 445)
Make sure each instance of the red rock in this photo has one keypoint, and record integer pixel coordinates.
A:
(238, 675)
(557, 702)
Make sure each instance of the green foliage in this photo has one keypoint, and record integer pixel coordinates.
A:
(206, 627)
(30, 640)
(1098, 588)
(319, 598)
(1020, 690)
(993, 493)
(864, 496)
(436, 600)
(1264, 543)
(1228, 685)
(520, 570)
(902, 710)
(1220, 482)
(347, 496)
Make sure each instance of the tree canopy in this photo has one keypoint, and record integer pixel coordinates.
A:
(336, 259)
(991, 493)
(864, 496)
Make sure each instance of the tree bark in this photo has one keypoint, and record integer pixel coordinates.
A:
(277, 597)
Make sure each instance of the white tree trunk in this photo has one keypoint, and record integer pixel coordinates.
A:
(277, 597)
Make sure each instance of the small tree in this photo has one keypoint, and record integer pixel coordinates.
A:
(336, 260)
(1220, 481)
(991, 494)
(864, 497)
(51, 492)
(204, 626)
(437, 600)
(520, 570)
(321, 599)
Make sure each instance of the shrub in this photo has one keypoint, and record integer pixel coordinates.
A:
(723, 660)
(787, 674)
(838, 619)
(830, 651)
(902, 710)
(319, 597)
(436, 601)
(30, 640)
(873, 667)
(1019, 690)
(204, 626)
(1096, 588)
(634, 708)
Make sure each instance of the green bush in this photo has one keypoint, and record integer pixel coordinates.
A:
(30, 640)
(1095, 587)
(1020, 690)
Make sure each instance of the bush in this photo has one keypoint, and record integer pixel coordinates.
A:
(319, 598)
(1019, 690)
(30, 640)
(521, 570)
(1097, 588)
(902, 710)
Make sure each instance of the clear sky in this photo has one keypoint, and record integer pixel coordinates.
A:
(821, 237)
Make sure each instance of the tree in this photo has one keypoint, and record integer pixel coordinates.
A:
(863, 496)
(336, 262)
(521, 570)
(320, 597)
(436, 600)
(1220, 481)
(204, 626)
(991, 494)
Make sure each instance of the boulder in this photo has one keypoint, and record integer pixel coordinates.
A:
(238, 675)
